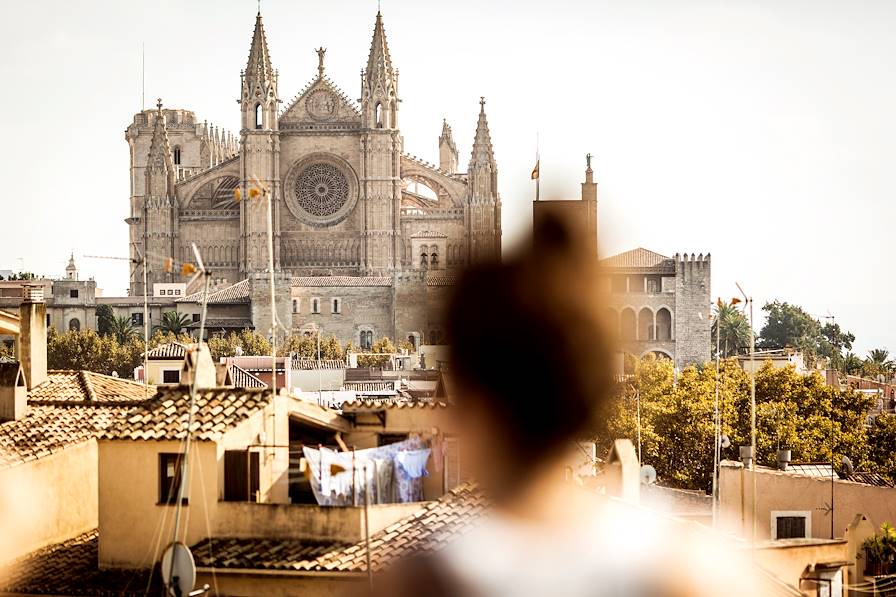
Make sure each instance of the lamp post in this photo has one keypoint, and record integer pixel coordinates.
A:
(748, 303)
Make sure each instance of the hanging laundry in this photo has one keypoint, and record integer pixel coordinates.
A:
(414, 462)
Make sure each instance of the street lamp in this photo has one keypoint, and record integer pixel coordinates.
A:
(748, 302)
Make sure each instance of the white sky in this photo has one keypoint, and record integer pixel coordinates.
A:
(759, 131)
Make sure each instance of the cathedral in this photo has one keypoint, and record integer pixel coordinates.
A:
(366, 237)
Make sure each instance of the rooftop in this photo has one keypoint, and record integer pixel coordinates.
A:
(169, 351)
(71, 568)
(235, 293)
(340, 281)
(164, 418)
(67, 409)
(639, 259)
(430, 529)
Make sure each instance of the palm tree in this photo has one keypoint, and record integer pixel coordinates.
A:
(174, 322)
(851, 365)
(881, 357)
(733, 327)
(122, 328)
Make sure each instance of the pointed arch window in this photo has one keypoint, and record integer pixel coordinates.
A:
(434, 258)
(366, 338)
(379, 115)
(177, 155)
(424, 258)
(258, 116)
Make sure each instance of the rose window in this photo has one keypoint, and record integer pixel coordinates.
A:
(321, 190)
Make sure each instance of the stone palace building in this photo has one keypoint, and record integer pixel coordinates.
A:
(365, 235)
(660, 305)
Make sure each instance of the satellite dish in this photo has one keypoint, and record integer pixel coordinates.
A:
(178, 569)
(725, 441)
(238, 351)
(848, 464)
(648, 475)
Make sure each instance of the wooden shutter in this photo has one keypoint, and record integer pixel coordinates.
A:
(457, 469)
(241, 475)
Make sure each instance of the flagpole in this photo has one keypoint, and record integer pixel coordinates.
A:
(537, 167)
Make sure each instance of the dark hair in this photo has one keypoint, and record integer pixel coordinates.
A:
(528, 338)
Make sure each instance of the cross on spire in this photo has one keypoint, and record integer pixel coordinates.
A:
(159, 104)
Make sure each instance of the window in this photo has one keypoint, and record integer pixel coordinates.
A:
(241, 476)
(74, 324)
(424, 260)
(176, 155)
(434, 260)
(366, 339)
(258, 119)
(336, 306)
(379, 116)
(171, 376)
(170, 473)
(295, 305)
(412, 340)
(653, 284)
(196, 317)
(48, 320)
(137, 318)
(790, 525)
(315, 305)
(177, 292)
(73, 293)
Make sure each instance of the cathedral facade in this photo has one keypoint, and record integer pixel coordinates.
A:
(365, 236)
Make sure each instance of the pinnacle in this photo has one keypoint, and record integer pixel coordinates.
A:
(259, 64)
(482, 142)
(380, 61)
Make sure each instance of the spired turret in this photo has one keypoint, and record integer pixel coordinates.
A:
(484, 224)
(259, 152)
(448, 156)
(379, 83)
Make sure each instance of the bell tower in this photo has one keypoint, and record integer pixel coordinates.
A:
(259, 155)
(381, 146)
(484, 209)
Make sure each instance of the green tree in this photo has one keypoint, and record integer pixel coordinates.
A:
(851, 364)
(174, 322)
(81, 349)
(122, 329)
(789, 325)
(882, 446)
(878, 363)
(793, 411)
(382, 350)
(104, 319)
(732, 328)
(253, 343)
(834, 342)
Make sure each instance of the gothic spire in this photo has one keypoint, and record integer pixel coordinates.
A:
(446, 136)
(159, 147)
(259, 65)
(379, 63)
(482, 142)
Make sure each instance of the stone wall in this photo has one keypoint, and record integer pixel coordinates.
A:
(692, 308)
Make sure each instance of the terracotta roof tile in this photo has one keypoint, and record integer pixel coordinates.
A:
(340, 281)
(431, 528)
(388, 403)
(71, 568)
(165, 417)
(639, 258)
(235, 293)
(87, 386)
(47, 429)
(67, 409)
(171, 350)
(441, 280)
(306, 364)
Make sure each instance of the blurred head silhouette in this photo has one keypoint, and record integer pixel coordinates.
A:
(530, 356)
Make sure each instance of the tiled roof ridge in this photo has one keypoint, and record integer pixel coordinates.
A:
(87, 385)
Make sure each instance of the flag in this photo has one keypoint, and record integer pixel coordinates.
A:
(535, 170)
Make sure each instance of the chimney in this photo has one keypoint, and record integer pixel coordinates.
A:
(33, 336)
(746, 456)
(783, 459)
(622, 472)
(199, 365)
(13, 393)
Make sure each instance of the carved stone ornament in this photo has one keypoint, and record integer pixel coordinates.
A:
(321, 104)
